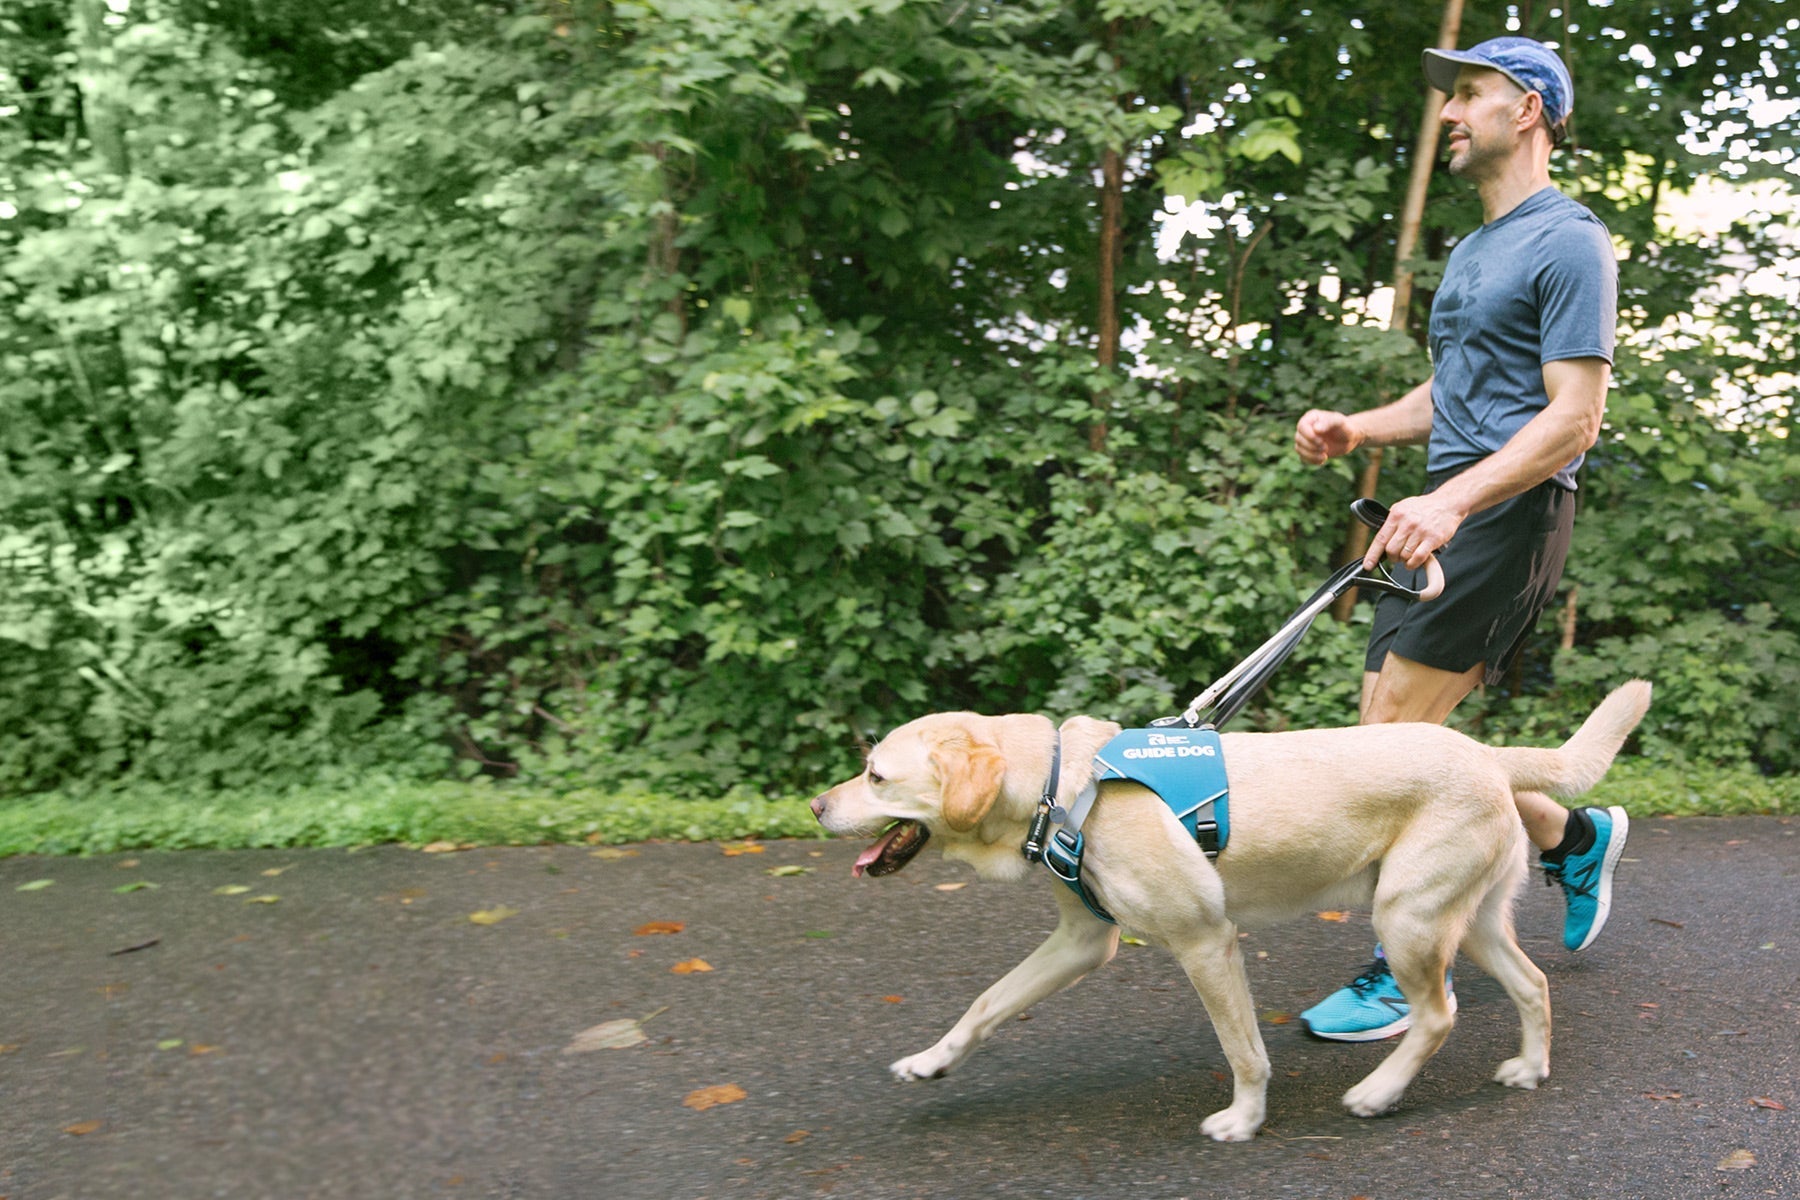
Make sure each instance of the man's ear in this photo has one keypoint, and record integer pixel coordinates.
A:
(1531, 111)
(969, 774)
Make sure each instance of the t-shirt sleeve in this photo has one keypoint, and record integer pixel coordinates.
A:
(1578, 294)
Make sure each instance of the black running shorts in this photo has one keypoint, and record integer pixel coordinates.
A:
(1500, 573)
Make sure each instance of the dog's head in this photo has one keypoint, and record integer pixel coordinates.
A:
(970, 780)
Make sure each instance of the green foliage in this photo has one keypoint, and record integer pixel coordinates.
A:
(678, 395)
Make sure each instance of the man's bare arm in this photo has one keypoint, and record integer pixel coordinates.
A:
(1568, 426)
(1322, 434)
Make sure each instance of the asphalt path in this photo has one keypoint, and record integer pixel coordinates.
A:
(334, 1024)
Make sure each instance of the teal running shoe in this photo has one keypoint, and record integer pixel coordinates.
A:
(1368, 1009)
(1587, 877)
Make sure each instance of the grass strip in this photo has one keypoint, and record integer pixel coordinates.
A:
(499, 815)
(411, 814)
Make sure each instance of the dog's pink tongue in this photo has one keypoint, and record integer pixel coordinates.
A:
(869, 855)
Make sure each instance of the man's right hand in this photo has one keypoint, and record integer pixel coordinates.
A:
(1322, 435)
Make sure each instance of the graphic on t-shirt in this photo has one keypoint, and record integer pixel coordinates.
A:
(1457, 296)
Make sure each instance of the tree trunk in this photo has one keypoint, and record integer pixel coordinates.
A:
(1112, 204)
(103, 105)
(1412, 215)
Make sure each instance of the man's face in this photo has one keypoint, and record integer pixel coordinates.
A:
(1481, 120)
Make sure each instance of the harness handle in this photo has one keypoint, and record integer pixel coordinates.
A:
(1374, 514)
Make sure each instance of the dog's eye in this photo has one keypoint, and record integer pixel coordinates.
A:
(876, 776)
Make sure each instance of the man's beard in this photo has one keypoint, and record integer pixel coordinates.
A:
(1472, 159)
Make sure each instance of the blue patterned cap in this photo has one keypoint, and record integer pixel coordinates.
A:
(1528, 63)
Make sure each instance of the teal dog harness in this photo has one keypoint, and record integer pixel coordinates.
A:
(1184, 767)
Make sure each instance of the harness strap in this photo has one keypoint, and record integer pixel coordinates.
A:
(1047, 809)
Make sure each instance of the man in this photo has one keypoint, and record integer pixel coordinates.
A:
(1521, 335)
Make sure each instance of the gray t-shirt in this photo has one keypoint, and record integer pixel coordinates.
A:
(1539, 285)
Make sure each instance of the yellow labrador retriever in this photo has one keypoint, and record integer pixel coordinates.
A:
(1415, 822)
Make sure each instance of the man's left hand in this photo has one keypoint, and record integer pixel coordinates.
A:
(1416, 527)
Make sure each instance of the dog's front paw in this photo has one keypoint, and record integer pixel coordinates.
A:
(932, 1064)
(1516, 1072)
(1232, 1125)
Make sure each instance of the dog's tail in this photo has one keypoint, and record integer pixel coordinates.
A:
(1584, 758)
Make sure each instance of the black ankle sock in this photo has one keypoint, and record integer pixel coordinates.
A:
(1578, 836)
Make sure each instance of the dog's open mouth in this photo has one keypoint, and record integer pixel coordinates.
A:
(893, 850)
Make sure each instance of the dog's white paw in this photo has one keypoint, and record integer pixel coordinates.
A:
(1231, 1125)
(1516, 1072)
(932, 1064)
(1367, 1100)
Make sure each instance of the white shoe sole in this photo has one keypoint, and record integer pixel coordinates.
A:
(1615, 847)
(1395, 1029)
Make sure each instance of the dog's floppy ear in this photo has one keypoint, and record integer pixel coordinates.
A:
(969, 774)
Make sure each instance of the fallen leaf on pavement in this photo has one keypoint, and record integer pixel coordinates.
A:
(817, 933)
(199, 1048)
(788, 870)
(36, 885)
(733, 849)
(893, 999)
(611, 1035)
(710, 1097)
(272, 872)
(1737, 1160)
(1334, 916)
(230, 889)
(608, 853)
(951, 887)
(445, 847)
(136, 885)
(493, 916)
(83, 1128)
(171, 1044)
(1278, 1018)
(692, 966)
(263, 900)
(1662, 1095)
(659, 927)
(1766, 1102)
(1670, 924)
(796, 1137)
(6, 1048)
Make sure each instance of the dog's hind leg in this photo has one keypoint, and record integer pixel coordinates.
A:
(1215, 966)
(1419, 940)
(1080, 943)
(1494, 947)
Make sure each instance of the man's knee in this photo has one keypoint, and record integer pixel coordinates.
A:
(1404, 690)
